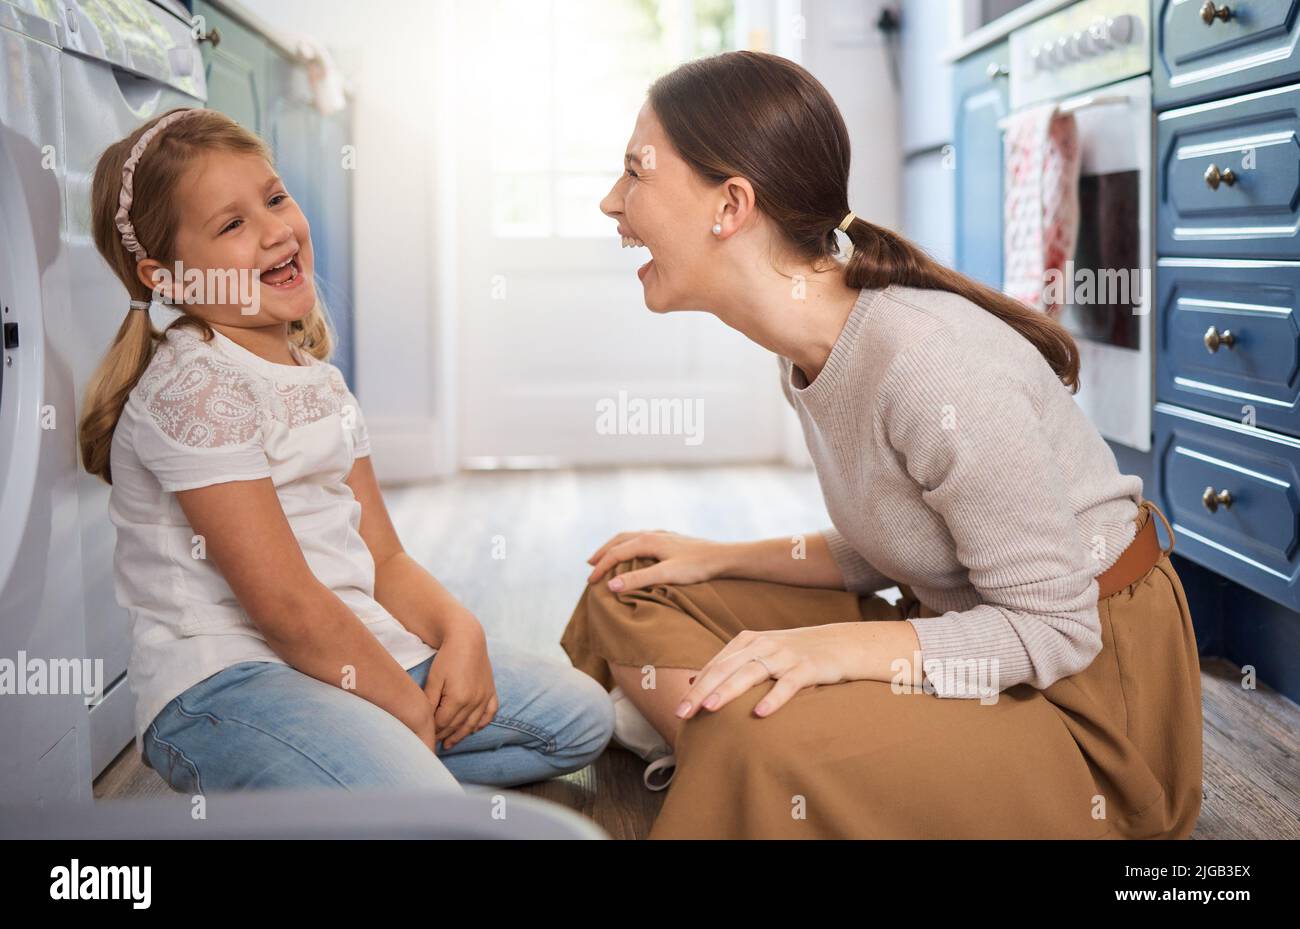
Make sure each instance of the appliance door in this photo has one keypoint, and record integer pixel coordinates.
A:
(42, 736)
(1107, 288)
(137, 66)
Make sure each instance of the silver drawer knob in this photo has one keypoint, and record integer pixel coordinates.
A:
(1214, 338)
(1214, 500)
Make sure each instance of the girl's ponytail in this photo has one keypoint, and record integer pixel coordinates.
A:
(106, 393)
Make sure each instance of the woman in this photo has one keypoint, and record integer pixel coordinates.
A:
(1039, 677)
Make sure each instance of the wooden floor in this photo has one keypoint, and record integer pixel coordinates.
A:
(546, 523)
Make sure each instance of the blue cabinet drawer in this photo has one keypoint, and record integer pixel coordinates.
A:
(981, 99)
(1194, 59)
(1228, 177)
(1228, 339)
(1249, 529)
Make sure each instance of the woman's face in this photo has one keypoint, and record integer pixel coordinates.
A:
(660, 201)
(236, 216)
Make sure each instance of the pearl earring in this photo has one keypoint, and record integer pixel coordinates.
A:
(717, 228)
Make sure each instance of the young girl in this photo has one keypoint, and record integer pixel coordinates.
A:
(281, 636)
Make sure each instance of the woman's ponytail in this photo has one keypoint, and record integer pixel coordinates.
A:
(881, 257)
(765, 118)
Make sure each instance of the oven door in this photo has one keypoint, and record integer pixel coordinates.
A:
(1108, 286)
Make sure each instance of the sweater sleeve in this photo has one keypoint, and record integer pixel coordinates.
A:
(968, 432)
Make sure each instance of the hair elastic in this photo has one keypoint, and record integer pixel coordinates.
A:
(125, 196)
(846, 221)
(140, 304)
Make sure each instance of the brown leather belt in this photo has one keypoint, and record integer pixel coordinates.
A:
(1137, 559)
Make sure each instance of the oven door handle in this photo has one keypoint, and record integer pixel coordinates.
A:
(1079, 103)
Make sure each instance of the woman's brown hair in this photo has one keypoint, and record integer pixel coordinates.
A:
(154, 215)
(764, 118)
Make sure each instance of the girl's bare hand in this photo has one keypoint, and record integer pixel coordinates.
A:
(680, 559)
(460, 685)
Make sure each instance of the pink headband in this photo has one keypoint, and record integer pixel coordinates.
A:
(128, 179)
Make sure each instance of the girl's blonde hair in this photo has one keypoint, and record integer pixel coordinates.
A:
(154, 215)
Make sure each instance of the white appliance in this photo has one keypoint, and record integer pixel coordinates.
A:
(44, 759)
(1093, 59)
(123, 63)
(77, 76)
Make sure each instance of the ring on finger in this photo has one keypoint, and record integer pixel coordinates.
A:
(766, 666)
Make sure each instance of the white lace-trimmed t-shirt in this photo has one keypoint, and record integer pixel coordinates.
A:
(210, 412)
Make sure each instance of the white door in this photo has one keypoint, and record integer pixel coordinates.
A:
(558, 361)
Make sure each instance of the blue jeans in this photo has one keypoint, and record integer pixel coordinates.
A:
(260, 724)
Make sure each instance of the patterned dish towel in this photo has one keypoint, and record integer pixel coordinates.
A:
(1040, 201)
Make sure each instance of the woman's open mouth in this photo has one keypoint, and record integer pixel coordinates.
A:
(631, 241)
(285, 275)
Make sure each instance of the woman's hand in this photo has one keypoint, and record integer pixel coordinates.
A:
(797, 658)
(681, 559)
(460, 685)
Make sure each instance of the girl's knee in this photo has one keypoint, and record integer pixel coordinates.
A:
(589, 722)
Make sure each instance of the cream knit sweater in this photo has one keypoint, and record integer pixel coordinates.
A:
(953, 460)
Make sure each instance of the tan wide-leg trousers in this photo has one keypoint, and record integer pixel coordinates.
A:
(1111, 752)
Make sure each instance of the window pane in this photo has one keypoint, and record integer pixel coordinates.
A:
(715, 26)
(569, 79)
(521, 205)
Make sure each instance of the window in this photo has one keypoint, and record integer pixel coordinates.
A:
(557, 135)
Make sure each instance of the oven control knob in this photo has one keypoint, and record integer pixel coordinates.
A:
(1081, 46)
(1066, 51)
(1099, 34)
(1122, 29)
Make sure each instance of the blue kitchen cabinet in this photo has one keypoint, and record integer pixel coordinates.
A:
(981, 100)
(308, 151)
(1228, 339)
(332, 233)
(1205, 51)
(236, 61)
(1229, 177)
(1227, 420)
(1231, 493)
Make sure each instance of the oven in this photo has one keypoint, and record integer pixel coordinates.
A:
(1093, 59)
